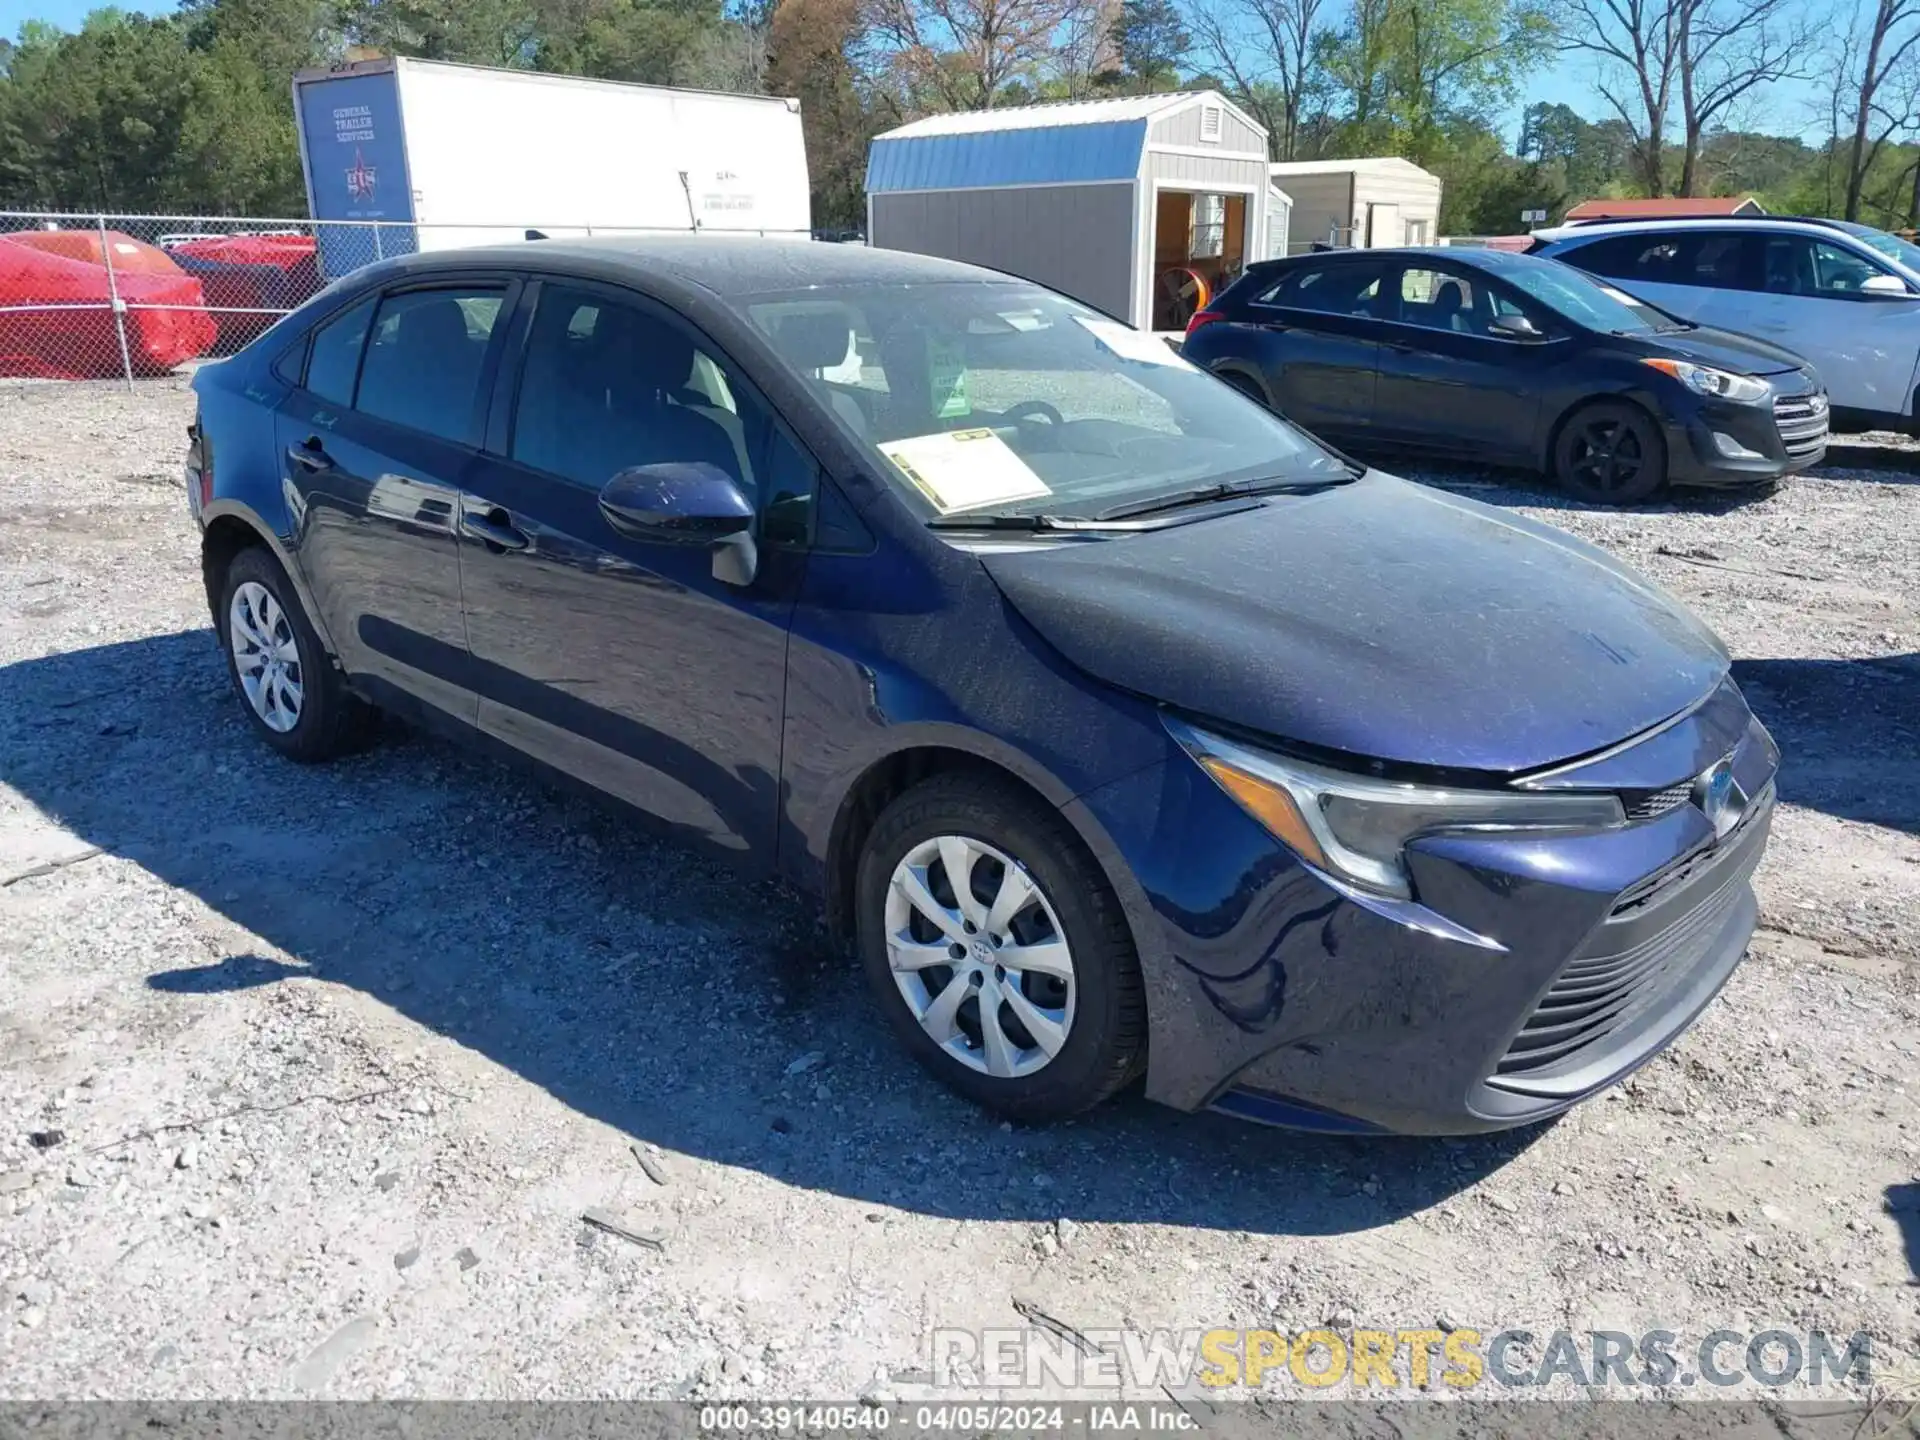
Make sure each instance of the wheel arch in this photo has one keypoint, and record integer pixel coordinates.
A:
(940, 750)
(1602, 397)
(230, 526)
(1232, 370)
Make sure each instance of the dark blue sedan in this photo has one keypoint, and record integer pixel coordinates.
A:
(1123, 729)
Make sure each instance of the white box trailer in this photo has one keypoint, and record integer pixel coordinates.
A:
(452, 155)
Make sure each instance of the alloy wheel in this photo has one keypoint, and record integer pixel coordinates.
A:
(980, 956)
(1607, 455)
(265, 656)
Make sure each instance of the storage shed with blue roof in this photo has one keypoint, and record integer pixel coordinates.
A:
(1140, 206)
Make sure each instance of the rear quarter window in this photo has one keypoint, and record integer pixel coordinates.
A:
(1345, 288)
(335, 356)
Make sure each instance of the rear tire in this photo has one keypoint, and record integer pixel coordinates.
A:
(1610, 453)
(1038, 1041)
(289, 688)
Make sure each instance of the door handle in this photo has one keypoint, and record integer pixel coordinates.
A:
(310, 454)
(492, 527)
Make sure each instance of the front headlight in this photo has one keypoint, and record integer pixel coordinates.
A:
(1720, 384)
(1357, 828)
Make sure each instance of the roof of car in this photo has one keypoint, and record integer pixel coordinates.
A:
(1478, 256)
(728, 265)
(1655, 225)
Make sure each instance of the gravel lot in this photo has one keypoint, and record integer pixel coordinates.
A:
(307, 1077)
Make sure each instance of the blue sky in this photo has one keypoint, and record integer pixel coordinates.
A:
(1786, 107)
(67, 14)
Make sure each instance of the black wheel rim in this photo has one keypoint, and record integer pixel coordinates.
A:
(1607, 456)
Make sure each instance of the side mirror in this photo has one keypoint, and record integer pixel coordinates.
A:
(676, 504)
(1516, 327)
(1885, 287)
(685, 504)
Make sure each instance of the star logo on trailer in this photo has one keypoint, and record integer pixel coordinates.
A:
(362, 178)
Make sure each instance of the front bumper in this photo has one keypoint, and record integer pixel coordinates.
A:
(1716, 442)
(1566, 962)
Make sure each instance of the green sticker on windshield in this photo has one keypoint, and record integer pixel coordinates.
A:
(947, 378)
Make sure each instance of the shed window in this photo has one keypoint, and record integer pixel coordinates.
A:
(1209, 227)
(1211, 120)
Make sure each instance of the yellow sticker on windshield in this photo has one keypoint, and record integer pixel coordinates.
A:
(947, 379)
(964, 469)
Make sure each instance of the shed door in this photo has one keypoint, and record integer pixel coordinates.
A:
(1278, 214)
(1384, 226)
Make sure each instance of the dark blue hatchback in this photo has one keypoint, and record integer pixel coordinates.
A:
(1125, 730)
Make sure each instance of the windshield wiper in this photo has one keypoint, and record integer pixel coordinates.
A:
(1011, 522)
(1227, 490)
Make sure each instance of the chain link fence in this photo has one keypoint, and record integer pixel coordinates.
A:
(87, 296)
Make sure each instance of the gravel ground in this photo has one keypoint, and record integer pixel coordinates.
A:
(307, 1077)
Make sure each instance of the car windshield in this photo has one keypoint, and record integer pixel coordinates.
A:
(1574, 295)
(1892, 246)
(1006, 399)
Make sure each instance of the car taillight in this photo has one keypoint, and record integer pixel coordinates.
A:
(1203, 317)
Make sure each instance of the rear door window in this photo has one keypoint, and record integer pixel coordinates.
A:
(1716, 261)
(425, 357)
(1437, 300)
(335, 357)
(1340, 289)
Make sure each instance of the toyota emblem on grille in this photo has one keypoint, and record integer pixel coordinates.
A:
(1720, 797)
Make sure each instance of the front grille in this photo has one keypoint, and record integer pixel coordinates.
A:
(1644, 892)
(1597, 994)
(1802, 421)
(1652, 804)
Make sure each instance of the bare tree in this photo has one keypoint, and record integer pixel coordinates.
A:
(731, 56)
(1637, 43)
(1264, 49)
(1728, 48)
(960, 54)
(1084, 50)
(1697, 57)
(1875, 91)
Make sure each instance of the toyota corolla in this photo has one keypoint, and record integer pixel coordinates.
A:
(1123, 730)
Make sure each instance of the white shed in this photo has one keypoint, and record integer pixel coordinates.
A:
(1139, 205)
(1364, 204)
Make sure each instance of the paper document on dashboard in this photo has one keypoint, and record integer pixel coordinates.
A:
(964, 469)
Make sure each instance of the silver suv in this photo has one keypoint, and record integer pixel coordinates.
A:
(1845, 297)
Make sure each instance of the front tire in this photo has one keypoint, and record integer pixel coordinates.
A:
(1610, 453)
(289, 688)
(998, 950)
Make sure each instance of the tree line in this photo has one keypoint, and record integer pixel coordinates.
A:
(191, 113)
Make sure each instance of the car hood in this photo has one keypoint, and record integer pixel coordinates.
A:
(1742, 354)
(1379, 619)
